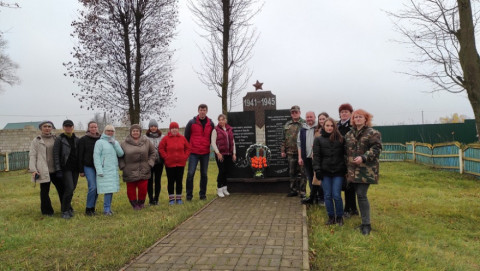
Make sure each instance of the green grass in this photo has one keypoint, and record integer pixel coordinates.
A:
(30, 241)
(422, 219)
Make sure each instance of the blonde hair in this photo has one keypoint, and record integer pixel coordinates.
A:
(109, 127)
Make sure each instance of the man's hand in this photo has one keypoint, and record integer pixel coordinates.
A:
(358, 160)
(283, 155)
(300, 161)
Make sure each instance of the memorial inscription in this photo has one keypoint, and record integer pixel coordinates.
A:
(274, 123)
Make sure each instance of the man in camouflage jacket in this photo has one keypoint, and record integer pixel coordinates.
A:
(289, 149)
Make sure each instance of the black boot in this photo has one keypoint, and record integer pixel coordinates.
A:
(141, 204)
(90, 211)
(339, 220)
(366, 229)
(134, 204)
(331, 220)
(313, 196)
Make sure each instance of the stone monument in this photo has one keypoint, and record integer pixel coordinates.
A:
(258, 132)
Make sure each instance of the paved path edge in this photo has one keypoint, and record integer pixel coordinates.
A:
(306, 263)
(167, 235)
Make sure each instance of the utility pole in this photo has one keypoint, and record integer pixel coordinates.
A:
(422, 118)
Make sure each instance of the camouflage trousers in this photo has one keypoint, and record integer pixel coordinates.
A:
(297, 176)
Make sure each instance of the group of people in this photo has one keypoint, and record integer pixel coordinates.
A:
(98, 157)
(330, 155)
(333, 156)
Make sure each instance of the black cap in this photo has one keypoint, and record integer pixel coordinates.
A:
(67, 123)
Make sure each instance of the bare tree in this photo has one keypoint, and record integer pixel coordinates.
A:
(8, 68)
(230, 40)
(442, 34)
(123, 60)
(4, 4)
(102, 120)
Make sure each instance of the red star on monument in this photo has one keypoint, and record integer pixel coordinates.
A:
(258, 86)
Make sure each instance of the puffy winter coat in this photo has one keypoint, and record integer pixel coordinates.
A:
(138, 159)
(224, 139)
(175, 150)
(105, 154)
(328, 157)
(198, 136)
(366, 143)
(38, 159)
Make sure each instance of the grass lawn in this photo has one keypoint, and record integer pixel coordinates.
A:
(30, 241)
(422, 219)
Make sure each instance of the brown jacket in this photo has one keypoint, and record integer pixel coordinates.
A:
(139, 158)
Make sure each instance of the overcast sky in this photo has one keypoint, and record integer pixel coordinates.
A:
(317, 54)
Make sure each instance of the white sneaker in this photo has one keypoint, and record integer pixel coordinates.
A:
(225, 192)
(220, 192)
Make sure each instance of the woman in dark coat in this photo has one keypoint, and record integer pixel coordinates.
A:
(86, 144)
(329, 166)
(363, 146)
(65, 156)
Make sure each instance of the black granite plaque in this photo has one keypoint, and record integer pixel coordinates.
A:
(243, 124)
(274, 122)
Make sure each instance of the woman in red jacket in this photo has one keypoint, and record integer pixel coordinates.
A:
(174, 149)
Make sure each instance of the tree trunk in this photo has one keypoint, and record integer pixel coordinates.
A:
(135, 119)
(469, 59)
(226, 66)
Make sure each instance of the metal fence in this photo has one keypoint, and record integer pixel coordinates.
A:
(13, 161)
(449, 156)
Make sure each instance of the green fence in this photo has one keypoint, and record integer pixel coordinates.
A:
(449, 156)
(13, 161)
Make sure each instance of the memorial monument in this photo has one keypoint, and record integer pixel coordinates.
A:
(258, 133)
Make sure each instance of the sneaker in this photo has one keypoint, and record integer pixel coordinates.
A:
(292, 194)
(307, 200)
(108, 213)
(220, 192)
(225, 192)
(171, 202)
(179, 201)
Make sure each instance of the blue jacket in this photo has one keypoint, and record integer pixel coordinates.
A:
(105, 154)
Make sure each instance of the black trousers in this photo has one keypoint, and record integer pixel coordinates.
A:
(70, 180)
(156, 174)
(45, 202)
(175, 177)
(308, 166)
(223, 167)
(350, 199)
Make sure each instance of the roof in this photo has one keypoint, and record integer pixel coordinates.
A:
(21, 125)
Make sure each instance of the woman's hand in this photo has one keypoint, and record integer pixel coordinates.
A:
(220, 157)
(234, 158)
(358, 160)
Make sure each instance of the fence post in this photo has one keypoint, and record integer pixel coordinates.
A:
(7, 166)
(460, 160)
(413, 152)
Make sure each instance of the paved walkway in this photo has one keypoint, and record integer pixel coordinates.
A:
(239, 232)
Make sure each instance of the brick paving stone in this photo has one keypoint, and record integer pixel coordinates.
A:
(238, 232)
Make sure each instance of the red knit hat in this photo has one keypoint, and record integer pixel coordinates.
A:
(174, 125)
(345, 106)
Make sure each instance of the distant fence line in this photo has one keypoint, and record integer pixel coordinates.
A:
(450, 156)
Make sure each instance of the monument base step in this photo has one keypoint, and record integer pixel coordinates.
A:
(259, 186)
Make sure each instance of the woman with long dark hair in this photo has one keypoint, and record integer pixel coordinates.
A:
(329, 166)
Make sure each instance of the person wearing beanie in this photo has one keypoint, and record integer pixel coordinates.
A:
(154, 182)
(42, 166)
(105, 156)
(66, 165)
(198, 133)
(175, 149)
(86, 167)
(224, 146)
(136, 163)
(345, 111)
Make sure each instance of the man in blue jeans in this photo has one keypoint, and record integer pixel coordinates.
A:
(198, 132)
